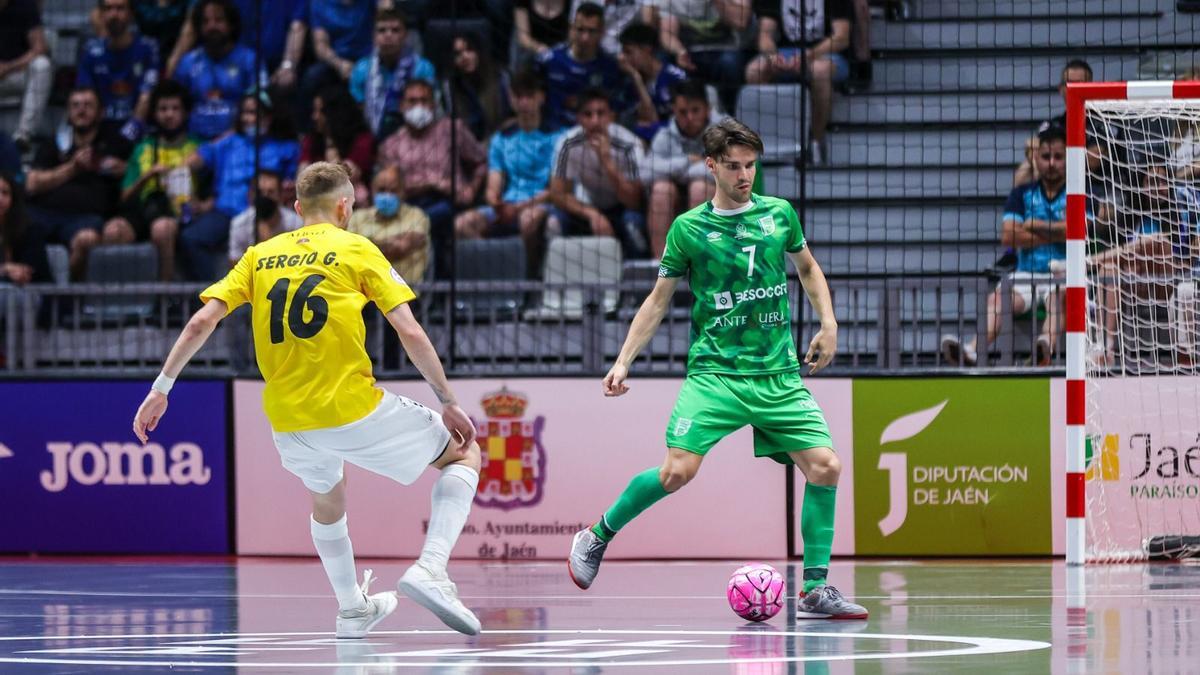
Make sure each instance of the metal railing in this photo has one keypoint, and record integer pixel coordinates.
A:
(509, 328)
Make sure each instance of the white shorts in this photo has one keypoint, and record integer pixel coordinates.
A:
(1031, 285)
(397, 440)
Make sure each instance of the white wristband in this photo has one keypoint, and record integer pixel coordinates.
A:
(162, 384)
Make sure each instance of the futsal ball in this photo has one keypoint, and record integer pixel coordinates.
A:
(756, 592)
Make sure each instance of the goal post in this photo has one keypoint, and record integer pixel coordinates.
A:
(1083, 100)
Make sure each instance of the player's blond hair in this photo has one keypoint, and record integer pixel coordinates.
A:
(321, 185)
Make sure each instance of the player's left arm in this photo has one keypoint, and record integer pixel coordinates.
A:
(425, 357)
(824, 344)
(194, 335)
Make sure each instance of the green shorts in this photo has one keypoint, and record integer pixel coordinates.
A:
(783, 413)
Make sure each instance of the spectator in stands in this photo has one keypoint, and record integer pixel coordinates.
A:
(1035, 225)
(675, 165)
(540, 24)
(703, 38)
(400, 230)
(231, 161)
(264, 218)
(341, 37)
(652, 78)
(518, 174)
(577, 64)
(22, 246)
(75, 188)
(218, 72)
(792, 48)
(618, 14)
(378, 80)
(280, 46)
(339, 134)
(594, 183)
(163, 21)
(1157, 243)
(1075, 71)
(122, 66)
(476, 88)
(158, 188)
(420, 150)
(24, 64)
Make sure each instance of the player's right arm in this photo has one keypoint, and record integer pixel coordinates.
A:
(423, 355)
(644, 325)
(194, 335)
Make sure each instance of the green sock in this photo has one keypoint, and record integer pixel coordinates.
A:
(641, 493)
(816, 527)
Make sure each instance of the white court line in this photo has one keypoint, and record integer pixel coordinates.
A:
(977, 646)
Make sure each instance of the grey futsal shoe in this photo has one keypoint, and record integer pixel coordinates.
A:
(436, 593)
(356, 623)
(826, 602)
(587, 550)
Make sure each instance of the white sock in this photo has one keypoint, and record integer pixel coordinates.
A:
(451, 503)
(337, 556)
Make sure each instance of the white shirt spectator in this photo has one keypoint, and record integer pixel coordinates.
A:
(575, 161)
(242, 234)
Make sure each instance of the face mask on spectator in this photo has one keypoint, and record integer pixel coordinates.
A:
(387, 204)
(419, 116)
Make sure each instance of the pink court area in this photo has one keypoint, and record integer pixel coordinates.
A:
(253, 615)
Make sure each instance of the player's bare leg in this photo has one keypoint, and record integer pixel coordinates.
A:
(818, 600)
(358, 612)
(427, 582)
(587, 548)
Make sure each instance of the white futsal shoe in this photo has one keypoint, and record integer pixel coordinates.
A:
(436, 593)
(356, 623)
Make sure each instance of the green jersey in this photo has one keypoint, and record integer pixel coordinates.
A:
(741, 318)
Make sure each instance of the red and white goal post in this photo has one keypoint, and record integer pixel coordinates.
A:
(1133, 363)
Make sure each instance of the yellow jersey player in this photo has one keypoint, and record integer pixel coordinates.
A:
(307, 289)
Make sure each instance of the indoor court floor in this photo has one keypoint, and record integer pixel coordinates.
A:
(258, 615)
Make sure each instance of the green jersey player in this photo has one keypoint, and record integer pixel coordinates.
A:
(742, 364)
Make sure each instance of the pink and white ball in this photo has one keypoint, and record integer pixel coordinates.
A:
(756, 592)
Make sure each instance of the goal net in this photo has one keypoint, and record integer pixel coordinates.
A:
(1140, 327)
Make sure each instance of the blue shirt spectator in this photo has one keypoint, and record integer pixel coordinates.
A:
(579, 64)
(216, 86)
(121, 75)
(566, 77)
(521, 156)
(231, 159)
(277, 17)
(379, 88)
(1030, 202)
(348, 23)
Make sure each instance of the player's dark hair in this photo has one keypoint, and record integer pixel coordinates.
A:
(526, 83)
(1079, 64)
(590, 10)
(692, 90)
(639, 35)
(591, 94)
(391, 15)
(167, 89)
(232, 17)
(727, 133)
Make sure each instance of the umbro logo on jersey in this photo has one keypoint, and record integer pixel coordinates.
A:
(713, 236)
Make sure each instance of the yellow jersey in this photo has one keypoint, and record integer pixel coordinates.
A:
(307, 289)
